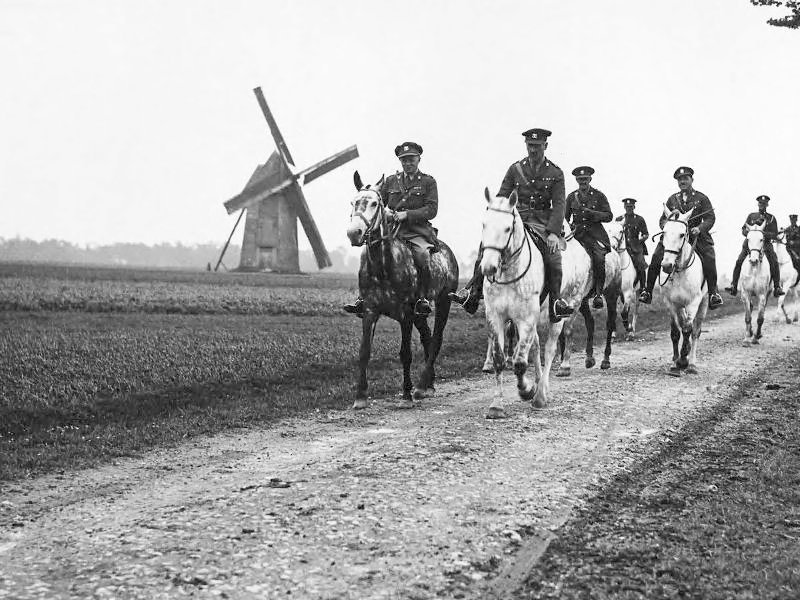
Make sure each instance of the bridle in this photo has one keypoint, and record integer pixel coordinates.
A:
(621, 247)
(759, 250)
(378, 221)
(507, 256)
(676, 268)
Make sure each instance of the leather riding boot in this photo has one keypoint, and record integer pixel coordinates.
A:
(552, 277)
(355, 308)
(641, 276)
(774, 269)
(646, 296)
(733, 289)
(470, 296)
(423, 306)
(599, 267)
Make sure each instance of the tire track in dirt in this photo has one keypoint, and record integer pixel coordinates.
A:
(432, 502)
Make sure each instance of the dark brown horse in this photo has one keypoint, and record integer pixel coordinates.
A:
(388, 284)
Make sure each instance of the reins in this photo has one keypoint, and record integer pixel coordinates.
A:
(676, 268)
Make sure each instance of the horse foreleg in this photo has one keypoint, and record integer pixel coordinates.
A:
(526, 331)
(406, 326)
(687, 332)
(588, 319)
(428, 374)
(421, 323)
(748, 317)
(564, 348)
(367, 327)
(675, 335)
(782, 307)
(488, 363)
(541, 397)
(496, 408)
(611, 326)
(762, 306)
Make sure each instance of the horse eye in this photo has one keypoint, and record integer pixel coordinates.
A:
(507, 229)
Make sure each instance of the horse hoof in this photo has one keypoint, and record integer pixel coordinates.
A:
(488, 367)
(692, 370)
(564, 372)
(606, 364)
(590, 362)
(755, 341)
(538, 403)
(527, 395)
(360, 403)
(682, 363)
(405, 404)
(674, 371)
(629, 338)
(495, 412)
(419, 394)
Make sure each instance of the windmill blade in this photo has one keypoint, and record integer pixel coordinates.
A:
(295, 194)
(328, 164)
(273, 127)
(251, 196)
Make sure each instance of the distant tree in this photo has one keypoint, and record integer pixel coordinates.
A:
(792, 20)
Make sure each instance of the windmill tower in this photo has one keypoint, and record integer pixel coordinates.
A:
(274, 201)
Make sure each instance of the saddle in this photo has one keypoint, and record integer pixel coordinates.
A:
(541, 243)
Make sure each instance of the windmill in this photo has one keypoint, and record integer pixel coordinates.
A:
(274, 201)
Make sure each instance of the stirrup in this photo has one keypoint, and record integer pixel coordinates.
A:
(645, 297)
(461, 297)
(597, 301)
(714, 301)
(356, 308)
(733, 290)
(422, 308)
(778, 291)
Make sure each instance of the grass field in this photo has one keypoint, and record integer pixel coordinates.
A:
(100, 362)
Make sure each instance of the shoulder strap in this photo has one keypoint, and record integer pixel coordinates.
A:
(521, 173)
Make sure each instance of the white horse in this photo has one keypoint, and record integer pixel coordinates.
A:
(754, 282)
(513, 271)
(628, 294)
(789, 279)
(577, 281)
(684, 290)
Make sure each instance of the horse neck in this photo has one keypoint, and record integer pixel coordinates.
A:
(516, 244)
(379, 252)
(781, 251)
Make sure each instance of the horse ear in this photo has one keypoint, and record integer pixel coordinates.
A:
(357, 181)
(512, 199)
(685, 216)
(486, 193)
(667, 212)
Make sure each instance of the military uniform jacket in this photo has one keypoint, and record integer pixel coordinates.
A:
(634, 227)
(793, 237)
(588, 212)
(703, 216)
(419, 197)
(756, 218)
(541, 202)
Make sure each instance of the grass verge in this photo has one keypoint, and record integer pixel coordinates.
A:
(714, 514)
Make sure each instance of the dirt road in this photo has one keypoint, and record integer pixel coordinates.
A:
(434, 502)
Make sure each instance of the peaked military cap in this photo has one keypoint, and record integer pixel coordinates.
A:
(792, 216)
(537, 135)
(681, 171)
(627, 201)
(583, 171)
(762, 198)
(408, 149)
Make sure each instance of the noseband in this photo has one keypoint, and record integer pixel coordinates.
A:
(675, 267)
(505, 255)
(370, 224)
(759, 250)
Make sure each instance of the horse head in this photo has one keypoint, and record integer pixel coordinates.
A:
(755, 242)
(366, 211)
(499, 224)
(675, 235)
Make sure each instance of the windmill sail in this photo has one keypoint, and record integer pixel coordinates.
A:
(273, 127)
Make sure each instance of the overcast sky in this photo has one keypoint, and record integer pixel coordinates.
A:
(133, 121)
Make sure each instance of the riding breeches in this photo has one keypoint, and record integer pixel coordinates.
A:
(597, 254)
(769, 252)
(703, 249)
(422, 258)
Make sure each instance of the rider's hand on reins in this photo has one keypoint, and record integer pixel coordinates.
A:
(695, 231)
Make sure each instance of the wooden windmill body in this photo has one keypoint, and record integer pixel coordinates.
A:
(274, 201)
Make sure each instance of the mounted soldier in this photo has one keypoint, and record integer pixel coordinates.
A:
(699, 225)
(412, 200)
(541, 203)
(761, 217)
(587, 210)
(793, 241)
(636, 234)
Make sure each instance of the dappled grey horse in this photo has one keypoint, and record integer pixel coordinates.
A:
(388, 284)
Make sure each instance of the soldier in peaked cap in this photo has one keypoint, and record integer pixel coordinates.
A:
(793, 241)
(587, 210)
(635, 229)
(761, 217)
(541, 204)
(700, 223)
(412, 199)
